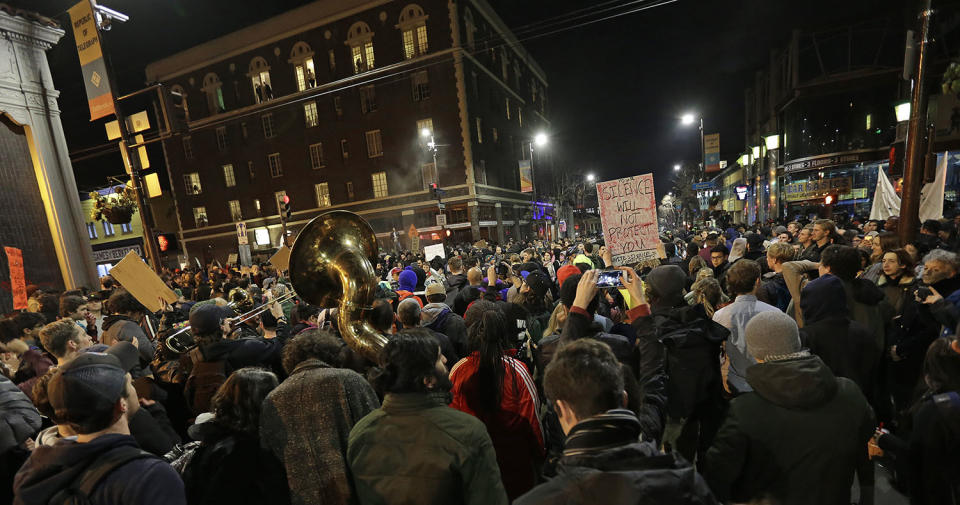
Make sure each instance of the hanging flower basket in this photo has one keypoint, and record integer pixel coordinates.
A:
(117, 208)
(118, 215)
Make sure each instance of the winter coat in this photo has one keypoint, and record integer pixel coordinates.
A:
(773, 291)
(152, 430)
(117, 327)
(605, 461)
(797, 438)
(33, 364)
(144, 481)
(454, 283)
(306, 423)
(514, 428)
(910, 326)
(416, 450)
(19, 420)
(947, 311)
(440, 318)
(230, 468)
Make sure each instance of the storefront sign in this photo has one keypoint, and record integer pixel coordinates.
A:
(628, 214)
(742, 192)
(18, 283)
(815, 189)
(832, 160)
(114, 255)
(92, 66)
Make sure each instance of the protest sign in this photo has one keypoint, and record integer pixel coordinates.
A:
(142, 282)
(432, 251)
(628, 215)
(18, 283)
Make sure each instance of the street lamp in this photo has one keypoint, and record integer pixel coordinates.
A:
(676, 168)
(687, 120)
(541, 139)
(591, 177)
(902, 110)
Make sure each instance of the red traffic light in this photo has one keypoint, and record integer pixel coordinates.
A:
(433, 185)
(163, 243)
(286, 199)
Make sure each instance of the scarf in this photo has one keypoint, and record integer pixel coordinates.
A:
(613, 428)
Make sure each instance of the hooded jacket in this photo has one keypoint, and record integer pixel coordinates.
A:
(454, 283)
(117, 327)
(797, 437)
(606, 461)
(844, 345)
(144, 481)
(440, 318)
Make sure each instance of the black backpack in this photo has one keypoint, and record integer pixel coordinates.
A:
(204, 380)
(692, 346)
(79, 491)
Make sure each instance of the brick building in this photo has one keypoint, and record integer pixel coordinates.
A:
(328, 104)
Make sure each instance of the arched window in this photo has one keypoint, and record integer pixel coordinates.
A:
(303, 70)
(212, 88)
(360, 41)
(471, 28)
(413, 27)
(178, 89)
(259, 75)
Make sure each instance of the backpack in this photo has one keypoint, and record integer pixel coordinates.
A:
(692, 347)
(79, 491)
(204, 380)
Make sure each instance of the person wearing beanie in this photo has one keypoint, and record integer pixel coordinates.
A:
(565, 272)
(800, 435)
(845, 345)
(407, 280)
(439, 317)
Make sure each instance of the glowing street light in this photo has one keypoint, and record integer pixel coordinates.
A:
(676, 168)
(591, 177)
(688, 119)
(541, 139)
(425, 132)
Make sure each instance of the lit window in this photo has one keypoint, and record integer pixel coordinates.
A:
(374, 144)
(126, 228)
(379, 184)
(310, 114)
(261, 236)
(420, 84)
(229, 179)
(413, 25)
(259, 75)
(200, 216)
(507, 99)
(520, 116)
(368, 99)
(235, 213)
(429, 173)
(108, 229)
(344, 149)
(222, 142)
(256, 205)
(279, 196)
(479, 130)
(92, 230)
(253, 174)
(191, 182)
(301, 56)
(869, 121)
(212, 88)
(323, 194)
(273, 160)
(350, 190)
(496, 134)
(267, 121)
(425, 124)
(360, 40)
(187, 148)
(316, 155)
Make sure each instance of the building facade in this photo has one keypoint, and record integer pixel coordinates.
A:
(355, 105)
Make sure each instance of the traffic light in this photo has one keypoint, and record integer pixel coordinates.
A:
(434, 190)
(285, 210)
(830, 199)
(167, 242)
(175, 110)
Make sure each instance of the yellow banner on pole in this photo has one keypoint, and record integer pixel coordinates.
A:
(92, 66)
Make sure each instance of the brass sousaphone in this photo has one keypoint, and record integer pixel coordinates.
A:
(331, 265)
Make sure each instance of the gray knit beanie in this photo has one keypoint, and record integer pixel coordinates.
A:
(772, 336)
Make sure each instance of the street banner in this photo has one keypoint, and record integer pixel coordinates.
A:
(242, 234)
(711, 152)
(142, 282)
(92, 65)
(526, 177)
(246, 260)
(628, 215)
(281, 259)
(432, 251)
(18, 283)
(931, 196)
(886, 203)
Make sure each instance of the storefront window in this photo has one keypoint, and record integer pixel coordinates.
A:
(853, 185)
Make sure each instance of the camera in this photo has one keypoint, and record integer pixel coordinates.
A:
(923, 292)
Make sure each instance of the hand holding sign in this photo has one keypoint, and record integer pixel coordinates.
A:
(628, 214)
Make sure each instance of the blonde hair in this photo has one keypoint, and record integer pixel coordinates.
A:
(554, 325)
(707, 291)
(781, 251)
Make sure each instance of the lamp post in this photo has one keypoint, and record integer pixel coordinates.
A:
(687, 120)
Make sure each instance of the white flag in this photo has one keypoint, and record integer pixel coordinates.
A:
(886, 203)
(931, 196)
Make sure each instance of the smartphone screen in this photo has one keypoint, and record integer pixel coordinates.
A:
(610, 279)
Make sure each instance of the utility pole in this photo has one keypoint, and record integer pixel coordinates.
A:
(913, 159)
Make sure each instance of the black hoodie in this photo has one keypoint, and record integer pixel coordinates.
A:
(144, 481)
(796, 438)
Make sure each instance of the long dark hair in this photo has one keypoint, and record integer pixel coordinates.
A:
(941, 366)
(238, 401)
(487, 337)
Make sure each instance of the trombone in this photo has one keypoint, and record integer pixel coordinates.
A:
(174, 343)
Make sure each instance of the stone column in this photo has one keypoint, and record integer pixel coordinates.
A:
(473, 208)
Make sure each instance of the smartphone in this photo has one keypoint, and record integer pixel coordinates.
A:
(610, 279)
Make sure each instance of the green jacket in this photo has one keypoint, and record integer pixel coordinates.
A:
(416, 450)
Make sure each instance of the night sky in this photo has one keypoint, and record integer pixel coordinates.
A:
(616, 87)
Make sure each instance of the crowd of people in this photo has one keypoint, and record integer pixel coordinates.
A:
(765, 364)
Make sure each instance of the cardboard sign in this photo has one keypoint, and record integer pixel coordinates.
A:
(432, 251)
(142, 282)
(281, 259)
(628, 214)
(18, 283)
(232, 259)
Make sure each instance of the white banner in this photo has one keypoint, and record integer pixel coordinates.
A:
(931, 196)
(886, 203)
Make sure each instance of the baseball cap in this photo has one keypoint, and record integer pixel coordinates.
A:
(86, 386)
(126, 353)
(538, 282)
(435, 288)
